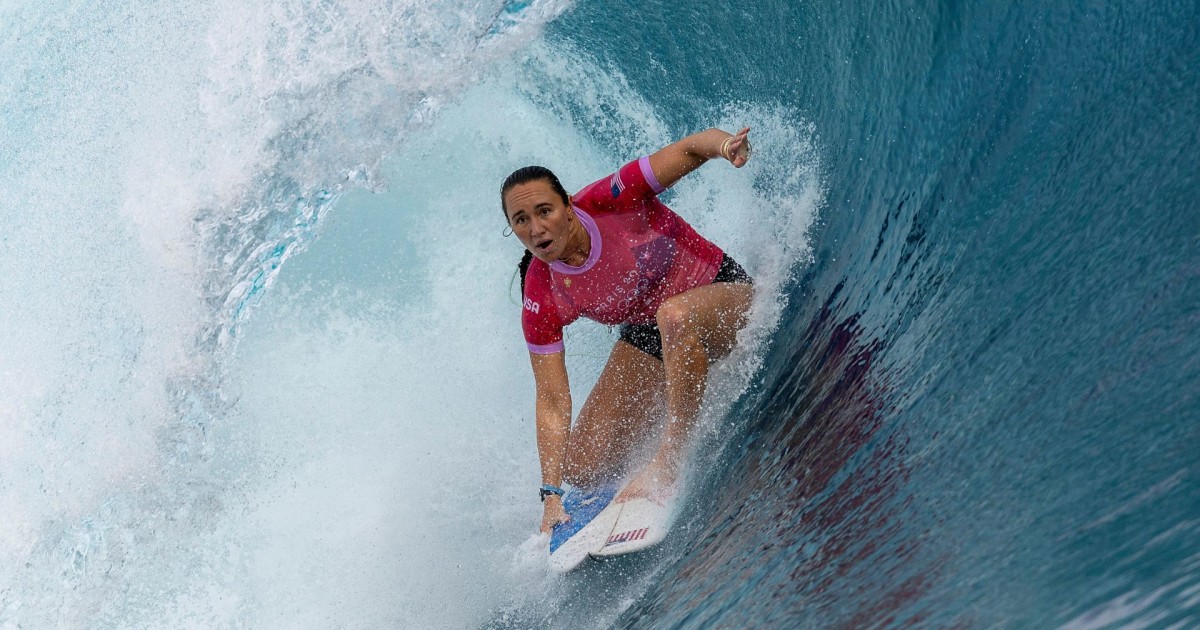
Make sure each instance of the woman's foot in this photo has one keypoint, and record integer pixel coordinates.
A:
(658, 481)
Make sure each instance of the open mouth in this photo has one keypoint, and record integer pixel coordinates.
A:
(544, 245)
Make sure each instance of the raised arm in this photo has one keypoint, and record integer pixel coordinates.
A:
(553, 412)
(677, 159)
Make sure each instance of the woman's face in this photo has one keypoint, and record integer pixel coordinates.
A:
(539, 218)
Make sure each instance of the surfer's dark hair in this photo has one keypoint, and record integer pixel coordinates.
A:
(524, 175)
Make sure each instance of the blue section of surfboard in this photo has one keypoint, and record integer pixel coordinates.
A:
(602, 529)
(593, 515)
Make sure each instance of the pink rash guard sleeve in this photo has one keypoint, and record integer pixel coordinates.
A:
(622, 191)
(539, 315)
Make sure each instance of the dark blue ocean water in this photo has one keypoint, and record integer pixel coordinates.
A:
(982, 405)
(259, 358)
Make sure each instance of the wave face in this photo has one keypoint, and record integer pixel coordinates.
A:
(979, 408)
(260, 360)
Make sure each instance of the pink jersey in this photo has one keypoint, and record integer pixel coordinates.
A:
(641, 254)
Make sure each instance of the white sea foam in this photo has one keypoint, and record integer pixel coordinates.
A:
(363, 455)
(160, 162)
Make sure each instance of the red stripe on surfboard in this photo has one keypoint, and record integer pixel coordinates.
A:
(623, 537)
(631, 535)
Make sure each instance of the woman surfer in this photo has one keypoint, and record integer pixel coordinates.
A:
(615, 254)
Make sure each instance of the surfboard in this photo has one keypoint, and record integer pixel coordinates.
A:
(602, 529)
(593, 516)
(641, 524)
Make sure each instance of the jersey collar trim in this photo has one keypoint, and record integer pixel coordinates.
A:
(589, 224)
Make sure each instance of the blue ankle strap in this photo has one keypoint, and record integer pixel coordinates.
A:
(548, 489)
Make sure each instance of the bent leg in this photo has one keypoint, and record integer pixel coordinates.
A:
(697, 326)
(617, 416)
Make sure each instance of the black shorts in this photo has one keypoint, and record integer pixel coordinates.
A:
(645, 337)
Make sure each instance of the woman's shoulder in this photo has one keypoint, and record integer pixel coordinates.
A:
(537, 276)
(627, 188)
(587, 197)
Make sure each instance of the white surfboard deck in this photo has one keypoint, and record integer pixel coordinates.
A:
(641, 524)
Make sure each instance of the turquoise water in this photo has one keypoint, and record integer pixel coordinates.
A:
(260, 364)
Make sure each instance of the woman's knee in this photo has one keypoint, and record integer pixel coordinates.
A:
(709, 315)
(674, 318)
